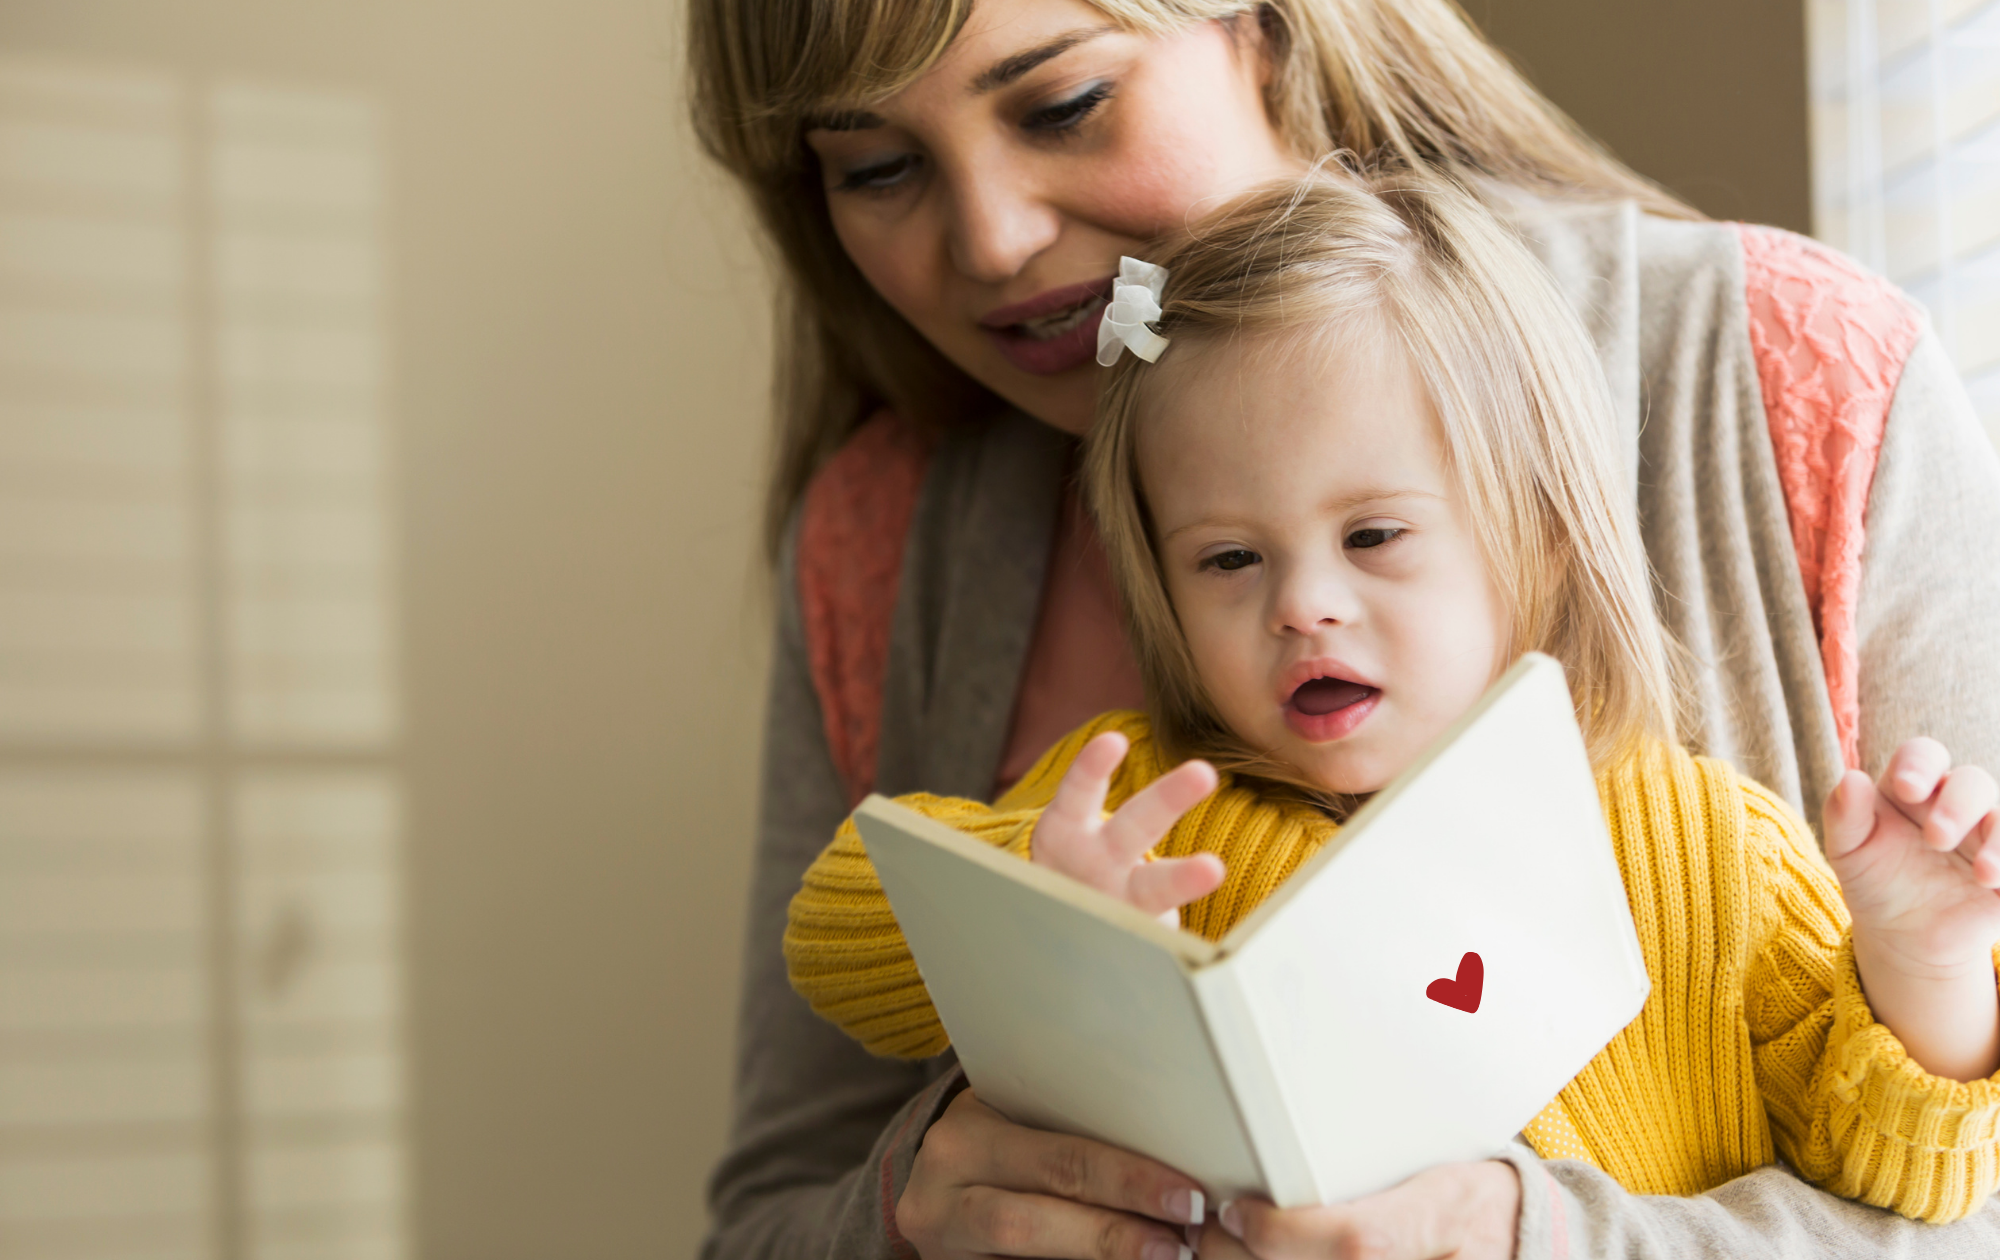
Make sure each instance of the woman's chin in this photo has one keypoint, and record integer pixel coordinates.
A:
(1067, 402)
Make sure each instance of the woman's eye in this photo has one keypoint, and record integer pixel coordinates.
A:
(1230, 561)
(880, 176)
(1375, 537)
(1063, 115)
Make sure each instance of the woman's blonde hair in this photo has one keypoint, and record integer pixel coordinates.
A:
(1406, 82)
(1527, 423)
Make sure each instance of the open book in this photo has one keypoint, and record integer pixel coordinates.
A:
(1413, 995)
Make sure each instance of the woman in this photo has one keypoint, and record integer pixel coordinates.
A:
(950, 187)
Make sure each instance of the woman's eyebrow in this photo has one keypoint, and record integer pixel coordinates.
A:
(843, 120)
(1008, 69)
(997, 75)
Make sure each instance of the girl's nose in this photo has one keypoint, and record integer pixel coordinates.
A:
(1308, 600)
(998, 221)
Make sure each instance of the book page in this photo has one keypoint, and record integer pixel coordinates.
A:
(1393, 1053)
(1070, 1018)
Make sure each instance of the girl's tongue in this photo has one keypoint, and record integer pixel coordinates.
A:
(1324, 695)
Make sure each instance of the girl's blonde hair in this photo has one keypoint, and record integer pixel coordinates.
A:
(1406, 82)
(1526, 417)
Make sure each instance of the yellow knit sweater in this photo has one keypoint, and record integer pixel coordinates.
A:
(1756, 1039)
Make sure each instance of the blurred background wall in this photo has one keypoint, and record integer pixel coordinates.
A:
(381, 634)
(381, 405)
(1706, 96)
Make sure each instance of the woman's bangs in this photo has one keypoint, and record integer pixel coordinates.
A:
(815, 58)
(810, 59)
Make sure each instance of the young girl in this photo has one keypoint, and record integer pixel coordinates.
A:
(1371, 466)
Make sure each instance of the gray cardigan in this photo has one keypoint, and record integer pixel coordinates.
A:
(824, 1134)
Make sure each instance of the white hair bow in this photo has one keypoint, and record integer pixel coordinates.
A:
(1135, 303)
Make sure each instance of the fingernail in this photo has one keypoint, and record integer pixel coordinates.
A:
(1232, 1219)
(1185, 1205)
(1161, 1249)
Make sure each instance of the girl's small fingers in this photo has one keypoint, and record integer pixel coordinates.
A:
(1079, 798)
(1170, 883)
(1983, 851)
(1968, 795)
(1914, 770)
(1141, 822)
(1849, 817)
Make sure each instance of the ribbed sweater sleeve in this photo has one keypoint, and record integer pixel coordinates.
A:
(843, 951)
(1848, 1107)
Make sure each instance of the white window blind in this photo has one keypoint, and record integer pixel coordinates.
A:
(200, 991)
(1906, 161)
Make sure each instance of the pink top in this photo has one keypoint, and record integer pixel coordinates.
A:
(1830, 341)
(1079, 662)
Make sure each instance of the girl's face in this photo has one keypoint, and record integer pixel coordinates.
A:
(1317, 551)
(989, 201)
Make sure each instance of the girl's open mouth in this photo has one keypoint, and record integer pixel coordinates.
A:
(1326, 709)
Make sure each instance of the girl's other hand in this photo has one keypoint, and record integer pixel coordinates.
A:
(1109, 854)
(1465, 1211)
(1918, 866)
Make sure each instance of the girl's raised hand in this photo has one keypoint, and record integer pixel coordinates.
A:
(1109, 854)
(1919, 865)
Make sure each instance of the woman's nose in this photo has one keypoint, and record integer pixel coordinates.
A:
(998, 221)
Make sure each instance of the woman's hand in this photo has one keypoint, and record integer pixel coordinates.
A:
(985, 1186)
(1465, 1211)
(1109, 854)
(1918, 866)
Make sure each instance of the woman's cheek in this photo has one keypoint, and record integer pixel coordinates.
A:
(891, 255)
(1153, 184)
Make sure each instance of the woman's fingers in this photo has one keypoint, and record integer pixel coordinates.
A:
(996, 1222)
(1170, 883)
(1144, 821)
(1849, 817)
(1968, 795)
(1466, 1211)
(992, 1150)
(983, 1185)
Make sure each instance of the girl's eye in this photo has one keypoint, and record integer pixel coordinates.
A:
(1230, 561)
(1373, 537)
(879, 177)
(1064, 115)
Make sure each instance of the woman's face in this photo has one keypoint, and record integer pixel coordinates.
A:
(990, 200)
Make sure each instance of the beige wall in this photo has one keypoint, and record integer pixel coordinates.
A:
(578, 363)
(1706, 96)
(578, 357)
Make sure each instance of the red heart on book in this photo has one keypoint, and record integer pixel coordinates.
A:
(1463, 993)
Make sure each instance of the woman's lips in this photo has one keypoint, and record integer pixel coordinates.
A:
(1325, 709)
(1047, 356)
(1058, 354)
